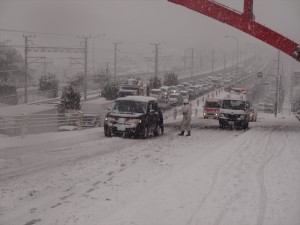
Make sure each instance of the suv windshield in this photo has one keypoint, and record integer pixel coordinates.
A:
(233, 104)
(129, 107)
(212, 105)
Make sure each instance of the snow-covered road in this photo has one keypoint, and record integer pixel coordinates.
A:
(216, 177)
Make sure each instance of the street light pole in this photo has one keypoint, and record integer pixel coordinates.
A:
(278, 80)
(237, 51)
(277, 83)
(259, 75)
(94, 52)
(96, 36)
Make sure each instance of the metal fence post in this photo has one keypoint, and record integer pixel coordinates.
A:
(24, 124)
(79, 119)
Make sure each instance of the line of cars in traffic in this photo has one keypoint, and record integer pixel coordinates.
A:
(140, 116)
(174, 95)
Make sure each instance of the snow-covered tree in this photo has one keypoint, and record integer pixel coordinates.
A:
(110, 91)
(49, 82)
(8, 92)
(70, 99)
(11, 63)
(170, 79)
(154, 82)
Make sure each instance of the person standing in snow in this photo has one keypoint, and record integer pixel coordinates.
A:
(161, 120)
(187, 116)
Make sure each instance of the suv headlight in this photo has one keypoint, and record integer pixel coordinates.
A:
(110, 119)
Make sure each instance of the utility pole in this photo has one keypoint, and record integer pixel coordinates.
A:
(224, 55)
(277, 83)
(184, 61)
(107, 68)
(85, 42)
(192, 64)
(26, 64)
(156, 59)
(115, 62)
(200, 60)
(213, 62)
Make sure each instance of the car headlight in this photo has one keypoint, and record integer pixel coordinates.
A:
(134, 121)
(222, 115)
(110, 119)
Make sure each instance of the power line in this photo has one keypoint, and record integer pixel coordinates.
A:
(41, 33)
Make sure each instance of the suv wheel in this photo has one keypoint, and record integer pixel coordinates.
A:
(144, 132)
(246, 125)
(107, 133)
(156, 130)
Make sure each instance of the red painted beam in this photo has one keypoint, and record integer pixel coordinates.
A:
(248, 9)
(244, 22)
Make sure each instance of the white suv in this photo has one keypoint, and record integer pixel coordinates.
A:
(234, 113)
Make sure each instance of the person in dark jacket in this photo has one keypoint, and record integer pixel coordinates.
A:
(161, 120)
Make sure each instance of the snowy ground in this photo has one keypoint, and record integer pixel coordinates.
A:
(216, 177)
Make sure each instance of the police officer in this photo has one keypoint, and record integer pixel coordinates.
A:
(187, 116)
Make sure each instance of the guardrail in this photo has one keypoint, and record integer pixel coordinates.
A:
(19, 98)
(38, 123)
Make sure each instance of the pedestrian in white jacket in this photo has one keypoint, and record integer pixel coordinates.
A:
(187, 116)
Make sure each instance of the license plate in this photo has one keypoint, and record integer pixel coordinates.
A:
(121, 127)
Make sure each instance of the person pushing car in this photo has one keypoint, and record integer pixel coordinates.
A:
(187, 116)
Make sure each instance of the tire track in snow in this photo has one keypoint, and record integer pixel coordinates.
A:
(269, 153)
(192, 219)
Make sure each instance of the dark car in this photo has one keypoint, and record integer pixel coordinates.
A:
(136, 116)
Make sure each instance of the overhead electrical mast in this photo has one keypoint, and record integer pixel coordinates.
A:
(26, 49)
(156, 59)
(115, 60)
(244, 21)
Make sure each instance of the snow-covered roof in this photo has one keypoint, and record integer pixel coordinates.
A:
(138, 98)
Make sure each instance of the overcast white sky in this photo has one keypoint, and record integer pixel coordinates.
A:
(137, 23)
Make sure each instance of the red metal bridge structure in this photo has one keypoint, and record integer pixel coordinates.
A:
(244, 21)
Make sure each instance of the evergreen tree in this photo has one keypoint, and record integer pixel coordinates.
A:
(11, 64)
(170, 79)
(49, 82)
(8, 92)
(70, 99)
(154, 82)
(110, 91)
